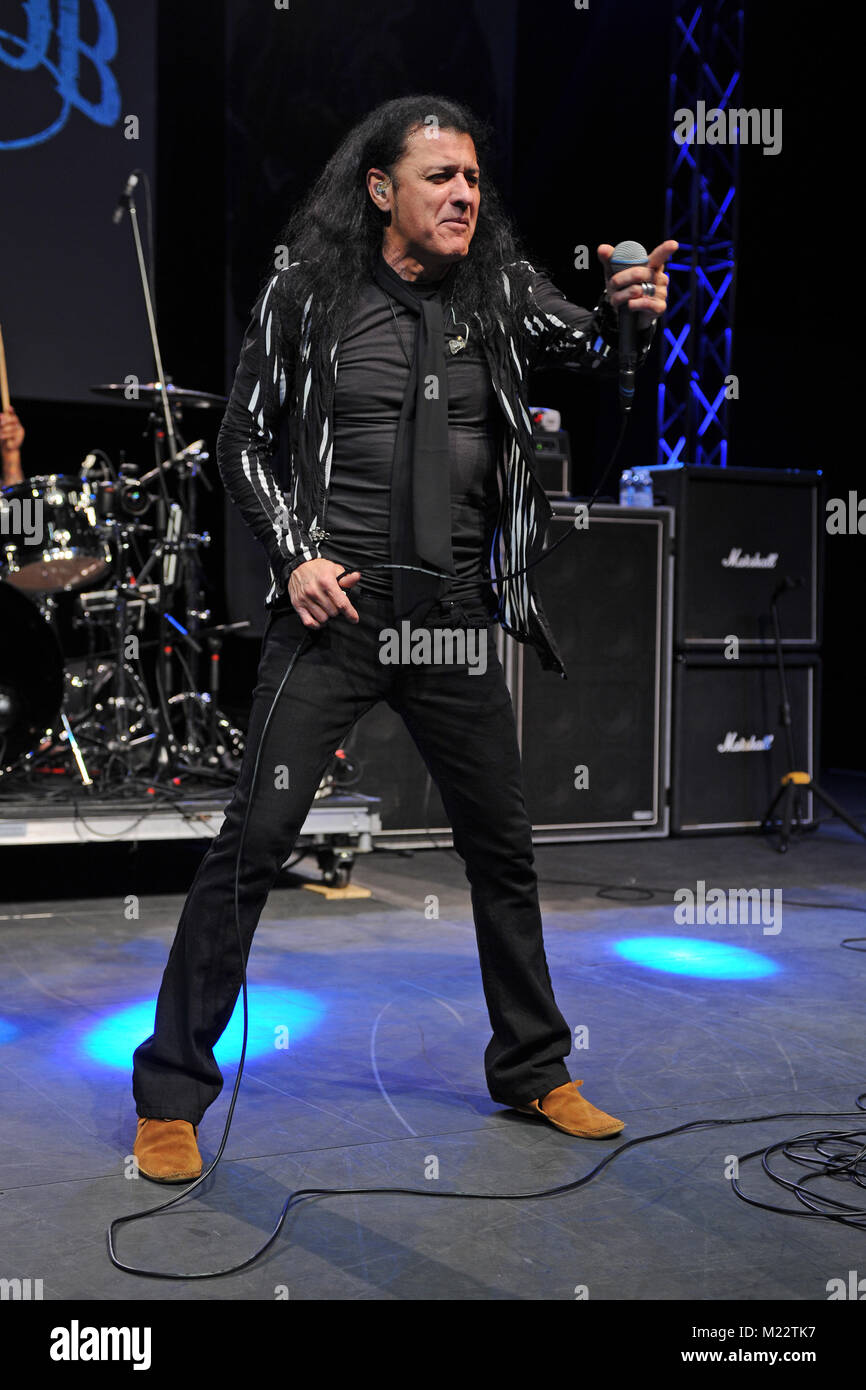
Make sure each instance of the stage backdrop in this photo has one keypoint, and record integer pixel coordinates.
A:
(77, 114)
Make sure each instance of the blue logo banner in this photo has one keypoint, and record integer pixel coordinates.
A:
(57, 46)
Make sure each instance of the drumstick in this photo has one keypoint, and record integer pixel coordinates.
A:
(4, 382)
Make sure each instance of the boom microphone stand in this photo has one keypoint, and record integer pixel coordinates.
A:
(165, 746)
(193, 736)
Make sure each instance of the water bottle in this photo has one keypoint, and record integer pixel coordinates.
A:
(643, 487)
(626, 488)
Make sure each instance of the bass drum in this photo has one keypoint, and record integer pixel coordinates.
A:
(48, 536)
(31, 675)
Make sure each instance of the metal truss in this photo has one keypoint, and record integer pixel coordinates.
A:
(701, 213)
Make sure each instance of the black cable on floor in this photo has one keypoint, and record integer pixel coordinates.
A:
(852, 1168)
(845, 1163)
(847, 1166)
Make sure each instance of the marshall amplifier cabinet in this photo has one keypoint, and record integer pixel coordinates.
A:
(388, 766)
(552, 461)
(595, 747)
(730, 751)
(740, 533)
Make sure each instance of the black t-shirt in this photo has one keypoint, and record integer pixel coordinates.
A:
(372, 376)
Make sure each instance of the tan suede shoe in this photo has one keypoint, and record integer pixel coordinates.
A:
(166, 1150)
(569, 1111)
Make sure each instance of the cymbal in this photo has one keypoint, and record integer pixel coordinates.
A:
(148, 393)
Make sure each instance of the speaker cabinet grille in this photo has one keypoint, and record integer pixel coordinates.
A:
(595, 746)
(730, 751)
(739, 532)
(392, 769)
(607, 595)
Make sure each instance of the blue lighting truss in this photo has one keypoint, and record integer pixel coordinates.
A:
(701, 213)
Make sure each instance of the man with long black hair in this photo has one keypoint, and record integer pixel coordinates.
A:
(396, 338)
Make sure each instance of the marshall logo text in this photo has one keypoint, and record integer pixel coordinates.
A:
(736, 560)
(736, 743)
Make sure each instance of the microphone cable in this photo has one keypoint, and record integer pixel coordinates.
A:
(505, 578)
(847, 1162)
(173, 1201)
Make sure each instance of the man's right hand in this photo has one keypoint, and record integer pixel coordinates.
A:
(316, 595)
(11, 431)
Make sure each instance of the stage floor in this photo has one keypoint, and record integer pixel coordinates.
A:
(365, 1069)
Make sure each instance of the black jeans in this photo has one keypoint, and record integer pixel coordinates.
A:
(462, 722)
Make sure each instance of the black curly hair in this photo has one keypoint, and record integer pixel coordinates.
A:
(336, 232)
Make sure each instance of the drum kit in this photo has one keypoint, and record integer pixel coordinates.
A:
(109, 671)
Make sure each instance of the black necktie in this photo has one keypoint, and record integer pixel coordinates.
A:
(421, 476)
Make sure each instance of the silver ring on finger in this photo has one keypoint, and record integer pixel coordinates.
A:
(649, 289)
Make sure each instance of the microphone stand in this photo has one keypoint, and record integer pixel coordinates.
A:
(794, 785)
(165, 747)
(202, 739)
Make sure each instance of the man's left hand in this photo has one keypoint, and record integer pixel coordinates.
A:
(627, 285)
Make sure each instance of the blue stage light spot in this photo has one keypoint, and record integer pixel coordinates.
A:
(8, 1031)
(277, 1019)
(690, 955)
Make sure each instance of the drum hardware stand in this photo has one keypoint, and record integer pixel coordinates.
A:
(76, 752)
(178, 542)
(215, 647)
(176, 539)
(165, 749)
(129, 690)
(794, 785)
(180, 545)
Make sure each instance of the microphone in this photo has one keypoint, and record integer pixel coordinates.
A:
(192, 451)
(626, 254)
(134, 496)
(124, 198)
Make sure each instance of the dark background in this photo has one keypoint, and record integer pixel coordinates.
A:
(252, 100)
(69, 303)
